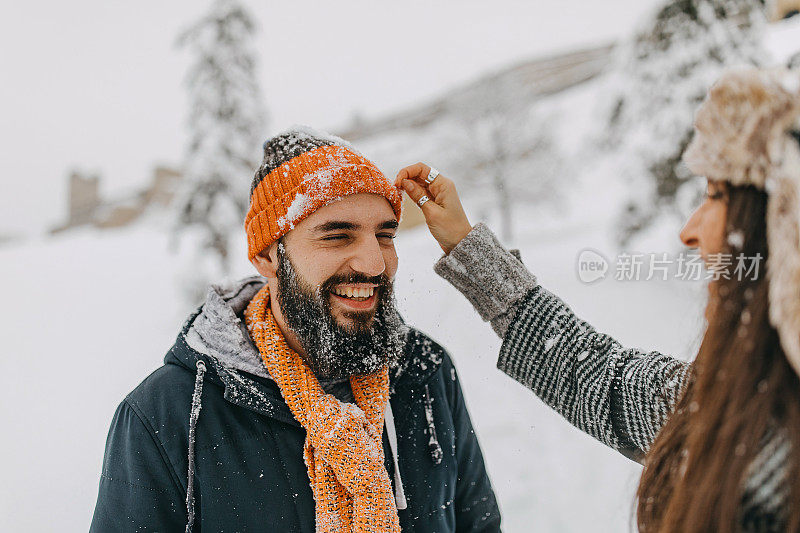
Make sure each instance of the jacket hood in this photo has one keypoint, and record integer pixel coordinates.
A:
(215, 337)
(217, 331)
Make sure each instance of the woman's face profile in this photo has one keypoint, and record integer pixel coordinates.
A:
(705, 229)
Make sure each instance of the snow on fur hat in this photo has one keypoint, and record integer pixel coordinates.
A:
(304, 170)
(746, 133)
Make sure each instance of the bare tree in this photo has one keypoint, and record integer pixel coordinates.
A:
(505, 151)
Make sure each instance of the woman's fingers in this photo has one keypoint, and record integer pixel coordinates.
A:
(416, 192)
(417, 171)
(443, 212)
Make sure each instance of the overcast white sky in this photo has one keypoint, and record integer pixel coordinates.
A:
(97, 84)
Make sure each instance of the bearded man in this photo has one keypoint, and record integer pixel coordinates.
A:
(298, 400)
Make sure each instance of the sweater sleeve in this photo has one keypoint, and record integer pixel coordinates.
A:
(139, 490)
(620, 396)
(490, 277)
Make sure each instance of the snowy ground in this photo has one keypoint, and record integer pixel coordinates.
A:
(88, 315)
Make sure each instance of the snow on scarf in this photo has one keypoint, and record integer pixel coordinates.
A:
(343, 449)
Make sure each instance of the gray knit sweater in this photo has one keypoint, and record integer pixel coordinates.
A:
(620, 396)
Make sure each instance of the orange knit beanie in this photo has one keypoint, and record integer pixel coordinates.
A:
(304, 170)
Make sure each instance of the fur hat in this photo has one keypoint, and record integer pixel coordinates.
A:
(746, 134)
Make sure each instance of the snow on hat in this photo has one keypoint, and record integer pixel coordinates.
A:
(746, 133)
(302, 171)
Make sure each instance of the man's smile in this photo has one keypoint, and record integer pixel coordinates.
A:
(358, 296)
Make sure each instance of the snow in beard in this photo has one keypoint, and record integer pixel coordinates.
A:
(333, 351)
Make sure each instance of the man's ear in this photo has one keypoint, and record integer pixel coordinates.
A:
(266, 262)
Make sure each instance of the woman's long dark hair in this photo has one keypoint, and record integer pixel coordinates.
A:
(741, 388)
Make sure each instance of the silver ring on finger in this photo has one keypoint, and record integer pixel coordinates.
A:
(422, 201)
(432, 175)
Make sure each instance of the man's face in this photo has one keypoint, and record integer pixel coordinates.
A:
(346, 248)
(334, 286)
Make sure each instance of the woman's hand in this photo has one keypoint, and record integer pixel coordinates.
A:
(443, 212)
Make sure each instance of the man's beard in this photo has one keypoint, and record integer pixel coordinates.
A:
(376, 338)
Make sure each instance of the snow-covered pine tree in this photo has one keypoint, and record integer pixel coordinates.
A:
(227, 123)
(662, 77)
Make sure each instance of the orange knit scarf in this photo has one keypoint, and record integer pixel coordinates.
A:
(343, 449)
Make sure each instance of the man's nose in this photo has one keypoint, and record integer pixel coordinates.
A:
(368, 259)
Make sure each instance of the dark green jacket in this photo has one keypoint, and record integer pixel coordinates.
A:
(249, 473)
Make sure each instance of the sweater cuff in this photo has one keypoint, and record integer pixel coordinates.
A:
(489, 276)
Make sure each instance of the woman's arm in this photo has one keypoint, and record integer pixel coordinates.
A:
(492, 279)
(620, 396)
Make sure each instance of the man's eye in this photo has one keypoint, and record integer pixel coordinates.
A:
(386, 235)
(334, 237)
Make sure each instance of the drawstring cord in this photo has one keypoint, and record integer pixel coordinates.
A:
(433, 446)
(195, 414)
(399, 492)
(433, 443)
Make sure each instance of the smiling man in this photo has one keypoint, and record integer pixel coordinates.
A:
(298, 400)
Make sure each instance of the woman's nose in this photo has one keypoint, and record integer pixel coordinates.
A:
(689, 233)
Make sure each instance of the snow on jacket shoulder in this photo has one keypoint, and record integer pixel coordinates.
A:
(249, 473)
